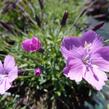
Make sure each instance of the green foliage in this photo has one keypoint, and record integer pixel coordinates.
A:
(99, 100)
(24, 19)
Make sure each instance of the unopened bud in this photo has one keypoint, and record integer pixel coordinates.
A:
(64, 19)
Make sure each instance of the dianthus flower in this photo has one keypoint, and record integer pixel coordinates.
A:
(86, 58)
(31, 45)
(8, 73)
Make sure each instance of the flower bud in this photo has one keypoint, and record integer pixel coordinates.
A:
(37, 71)
(31, 45)
(64, 19)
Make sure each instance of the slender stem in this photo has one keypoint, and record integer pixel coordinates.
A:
(23, 77)
(23, 70)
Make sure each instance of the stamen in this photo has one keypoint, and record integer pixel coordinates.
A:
(87, 46)
(94, 74)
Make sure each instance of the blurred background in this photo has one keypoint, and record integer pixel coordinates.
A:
(50, 21)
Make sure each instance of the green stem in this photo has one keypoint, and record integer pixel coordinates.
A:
(25, 77)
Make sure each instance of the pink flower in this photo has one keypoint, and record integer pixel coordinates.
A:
(8, 73)
(37, 71)
(86, 58)
(31, 45)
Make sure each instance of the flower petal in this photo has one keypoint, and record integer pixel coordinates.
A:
(9, 63)
(36, 44)
(13, 74)
(89, 37)
(26, 45)
(77, 52)
(75, 74)
(74, 70)
(4, 85)
(104, 52)
(96, 45)
(66, 53)
(1, 68)
(70, 42)
(99, 73)
(100, 62)
(96, 78)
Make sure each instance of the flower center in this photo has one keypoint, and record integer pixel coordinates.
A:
(86, 59)
(87, 45)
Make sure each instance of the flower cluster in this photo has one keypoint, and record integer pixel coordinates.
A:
(9, 70)
(86, 58)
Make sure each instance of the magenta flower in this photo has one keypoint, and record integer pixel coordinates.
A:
(37, 71)
(31, 45)
(8, 73)
(86, 58)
